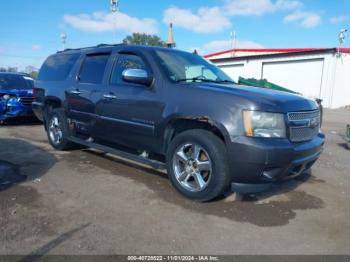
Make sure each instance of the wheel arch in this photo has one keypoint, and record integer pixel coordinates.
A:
(49, 104)
(178, 125)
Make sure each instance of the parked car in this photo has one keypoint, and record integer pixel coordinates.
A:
(16, 96)
(176, 111)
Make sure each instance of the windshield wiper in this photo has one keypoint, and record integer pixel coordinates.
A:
(194, 79)
(226, 81)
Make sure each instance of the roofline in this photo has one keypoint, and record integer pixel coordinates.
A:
(104, 47)
(238, 58)
(277, 50)
(89, 47)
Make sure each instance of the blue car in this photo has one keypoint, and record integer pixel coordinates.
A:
(16, 96)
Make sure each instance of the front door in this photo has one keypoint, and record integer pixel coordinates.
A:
(129, 112)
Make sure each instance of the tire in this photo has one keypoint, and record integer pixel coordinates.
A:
(57, 130)
(194, 154)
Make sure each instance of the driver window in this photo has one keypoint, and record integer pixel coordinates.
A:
(126, 62)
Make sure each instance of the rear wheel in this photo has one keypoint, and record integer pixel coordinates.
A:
(57, 130)
(197, 165)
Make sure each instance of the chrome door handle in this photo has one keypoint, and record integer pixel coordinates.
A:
(75, 92)
(109, 96)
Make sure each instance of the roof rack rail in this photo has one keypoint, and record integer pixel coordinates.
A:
(89, 47)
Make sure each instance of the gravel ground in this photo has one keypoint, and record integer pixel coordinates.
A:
(86, 202)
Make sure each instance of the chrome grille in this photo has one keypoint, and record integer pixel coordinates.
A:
(303, 126)
(26, 101)
(296, 116)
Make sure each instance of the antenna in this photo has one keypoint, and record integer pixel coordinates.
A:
(342, 36)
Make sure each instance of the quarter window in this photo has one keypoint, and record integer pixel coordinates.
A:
(93, 69)
(57, 67)
(126, 62)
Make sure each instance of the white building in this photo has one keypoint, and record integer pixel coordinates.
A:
(314, 72)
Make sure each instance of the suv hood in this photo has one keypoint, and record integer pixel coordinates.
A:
(262, 98)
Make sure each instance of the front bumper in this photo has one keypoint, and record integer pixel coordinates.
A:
(7, 112)
(18, 114)
(258, 163)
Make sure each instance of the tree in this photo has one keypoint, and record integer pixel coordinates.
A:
(12, 69)
(144, 39)
(34, 74)
(32, 71)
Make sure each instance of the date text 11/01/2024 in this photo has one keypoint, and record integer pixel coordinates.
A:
(173, 258)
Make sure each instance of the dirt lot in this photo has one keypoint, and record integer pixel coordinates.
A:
(85, 202)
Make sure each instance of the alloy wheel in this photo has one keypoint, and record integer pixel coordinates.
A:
(192, 167)
(55, 130)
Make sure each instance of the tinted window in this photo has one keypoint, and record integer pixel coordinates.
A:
(93, 69)
(126, 62)
(13, 82)
(57, 67)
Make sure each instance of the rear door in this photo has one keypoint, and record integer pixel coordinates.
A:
(129, 112)
(86, 92)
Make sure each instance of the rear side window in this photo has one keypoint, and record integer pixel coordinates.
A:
(93, 68)
(57, 67)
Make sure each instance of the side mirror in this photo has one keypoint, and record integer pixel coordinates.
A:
(137, 76)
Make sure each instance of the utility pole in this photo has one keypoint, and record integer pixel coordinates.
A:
(233, 42)
(63, 37)
(114, 10)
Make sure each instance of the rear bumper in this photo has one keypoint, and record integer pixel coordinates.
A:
(257, 164)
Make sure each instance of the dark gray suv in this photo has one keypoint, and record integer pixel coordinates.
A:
(174, 110)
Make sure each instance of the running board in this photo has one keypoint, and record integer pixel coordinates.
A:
(129, 156)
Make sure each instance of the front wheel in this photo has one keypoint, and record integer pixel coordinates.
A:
(197, 165)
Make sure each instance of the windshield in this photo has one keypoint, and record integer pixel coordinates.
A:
(187, 67)
(13, 82)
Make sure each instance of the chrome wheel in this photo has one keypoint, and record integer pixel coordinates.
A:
(55, 130)
(192, 167)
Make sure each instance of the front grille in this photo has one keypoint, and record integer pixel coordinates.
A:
(300, 134)
(297, 116)
(303, 126)
(26, 101)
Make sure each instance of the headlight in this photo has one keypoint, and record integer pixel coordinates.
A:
(6, 97)
(263, 124)
(12, 100)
